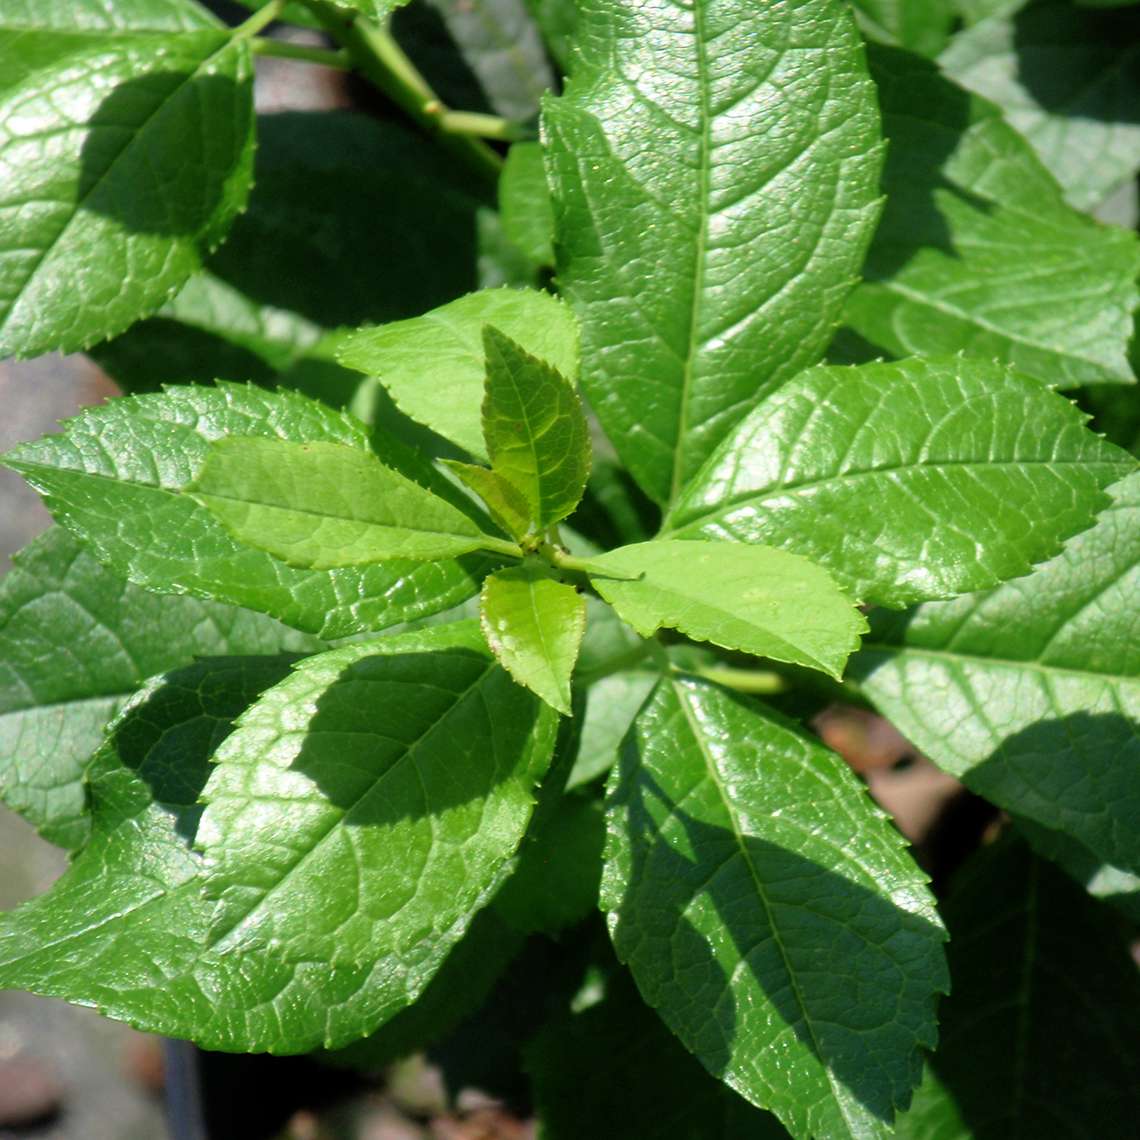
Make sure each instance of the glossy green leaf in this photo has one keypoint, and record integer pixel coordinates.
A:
(118, 476)
(341, 199)
(378, 10)
(434, 366)
(909, 481)
(921, 26)
(75, 641)
(977, 250)
(650, 1088)
(714, 171)
(1039, 1032)
(126, 150)
(433, 790)
(1066, 79)
(324, 505)
(524, 202)
(769, 912)
(534, 625)
(1038, 686)
(534, 429)
(754, 598)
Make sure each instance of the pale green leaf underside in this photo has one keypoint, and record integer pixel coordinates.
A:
(770, 913)
(75, 641)
(324, 505)
(534, 429)
(978, 251)
(753, 598)
(308, 952)
(534, 626)
(1038, 686)
(1067, 80)
(434, 366)
(124, 157)
(714, 170)
(909, 481)
(117, 476)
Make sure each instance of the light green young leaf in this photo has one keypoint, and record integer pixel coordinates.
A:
(1067, 80)
(324, 505)
(715, 172)
(242, 974)
(118, 476)
(503, 500)
(524, 203)
(770, 912)
(921, 26)
(534, 626)
(1050, 1037)
(75, 641)
(535, 430)
(434, 366)
(909, 481)
(978, 251)
(131, 133)
(1038, 686)
(753, 598)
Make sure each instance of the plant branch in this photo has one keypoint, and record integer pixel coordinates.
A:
(375, 53)
(262, 18)
(323, 57)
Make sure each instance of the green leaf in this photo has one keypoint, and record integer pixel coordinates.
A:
(715, 181)
(1045, 1045)
(434, 366)
(535, 429)
(611, 705)
(429, 782)
(650, 1088)
(75, 642)
(118, 478)
(977, 250)
(932, 1115)
(1067, 80)
(555, 882)
(126, 153)
(503, 500)
(909, 481)
(499, 42)
(377, 10)
(921, 26)
(324, 505)
(534, 625)
(769, 912)
(1038, 686)
(754, 598)
(338, 195)
(1103, 881)
(558, 21)
(524, 202)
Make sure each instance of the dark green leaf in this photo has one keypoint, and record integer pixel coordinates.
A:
(1038, 686)
(534, 625)
(715, 180)
(557, 20)
(534, 429)
(648, 1088)
(1069, 81)
(126, 153)
(524, 200)
(434, 366)
(909, 481)
(118, 476)
(770, 913)
(753, 598)
(75, 642)
(977, 250)
(428, 782)
(323, 505)
(1039, 1033)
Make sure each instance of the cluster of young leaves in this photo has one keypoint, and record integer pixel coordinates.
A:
(320, 671)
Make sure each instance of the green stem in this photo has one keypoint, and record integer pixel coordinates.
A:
(563, 561)
(282, 49)
(478, 125)
(759, 682)
(260, 19)
(501, 546)
(375, 53)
